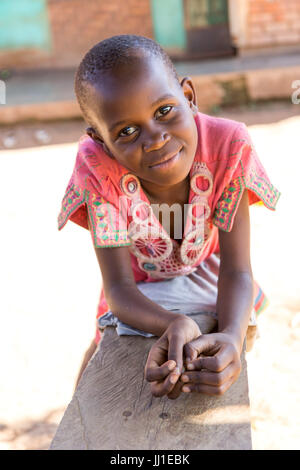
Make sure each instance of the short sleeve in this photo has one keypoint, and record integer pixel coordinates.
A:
(243, 170)
(92, 199)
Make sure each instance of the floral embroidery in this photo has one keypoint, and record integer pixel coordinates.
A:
(227, 205)
(156, 253)
(194, 243)
(149, 242)
(73, 199)
(107, 226)
(130, 185)
(167, 268)
(264, 190)
(151, 245)
(198, 225)
(201, 176)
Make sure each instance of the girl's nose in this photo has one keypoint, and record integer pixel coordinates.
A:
(155, 141)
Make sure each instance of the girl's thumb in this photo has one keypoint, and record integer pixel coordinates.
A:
(190, 352)
(202, 344)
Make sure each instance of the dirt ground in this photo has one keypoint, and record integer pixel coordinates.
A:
(50, 295)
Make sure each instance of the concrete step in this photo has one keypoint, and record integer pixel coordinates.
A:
(49, 94)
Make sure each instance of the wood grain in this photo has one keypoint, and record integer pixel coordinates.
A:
(113, 408)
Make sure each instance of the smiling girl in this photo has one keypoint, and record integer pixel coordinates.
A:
(148, 146)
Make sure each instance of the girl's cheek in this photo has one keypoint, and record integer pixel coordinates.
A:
(127, 156)
(187, 122)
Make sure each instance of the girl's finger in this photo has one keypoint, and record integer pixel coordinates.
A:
(176, 391)
(209, 389)
(216, 363)
(190, 353)
(175, 353)
(211, 378)
(155, 372)
(159, 389)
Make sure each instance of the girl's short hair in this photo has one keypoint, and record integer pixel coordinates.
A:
(109, 53)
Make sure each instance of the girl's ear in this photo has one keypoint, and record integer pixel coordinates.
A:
(97, 138)
(189, 92)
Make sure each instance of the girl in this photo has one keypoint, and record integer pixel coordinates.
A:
(149, 148)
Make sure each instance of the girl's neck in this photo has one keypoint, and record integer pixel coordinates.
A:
(178, 193)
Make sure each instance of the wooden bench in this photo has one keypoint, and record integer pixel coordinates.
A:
(112, 407)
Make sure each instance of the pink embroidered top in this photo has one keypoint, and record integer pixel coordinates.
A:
(104, 193)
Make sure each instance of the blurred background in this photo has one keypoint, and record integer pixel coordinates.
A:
(244, 58)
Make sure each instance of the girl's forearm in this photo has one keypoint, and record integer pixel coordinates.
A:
(135, 309)
(234, 303)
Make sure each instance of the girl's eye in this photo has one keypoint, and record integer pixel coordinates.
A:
(127, 131)
(163, 111)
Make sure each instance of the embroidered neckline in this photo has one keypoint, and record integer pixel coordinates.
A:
(161, 227)
(157, 253)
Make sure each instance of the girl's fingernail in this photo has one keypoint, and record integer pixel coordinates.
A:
(186, 389)
(171, 365)
(173, 379)
(184, 378)
(190, 366)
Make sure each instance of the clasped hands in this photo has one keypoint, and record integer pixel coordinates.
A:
(184, 360)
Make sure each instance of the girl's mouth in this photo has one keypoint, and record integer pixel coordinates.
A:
(168, 163)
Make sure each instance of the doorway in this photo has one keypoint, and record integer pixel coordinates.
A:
(192, 29)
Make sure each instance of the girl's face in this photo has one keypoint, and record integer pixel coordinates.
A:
(145, 120)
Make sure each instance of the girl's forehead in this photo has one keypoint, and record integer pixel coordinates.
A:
(142, 83)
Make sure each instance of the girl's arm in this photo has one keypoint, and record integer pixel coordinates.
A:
(235, 286)
(123, 297)
(219, 363)
(133, 308)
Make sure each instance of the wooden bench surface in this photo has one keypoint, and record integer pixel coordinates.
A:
(113, 408)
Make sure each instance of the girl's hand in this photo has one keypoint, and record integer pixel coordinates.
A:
(217, 368)
(165, 360)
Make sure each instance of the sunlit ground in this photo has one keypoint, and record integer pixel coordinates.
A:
(51, 283)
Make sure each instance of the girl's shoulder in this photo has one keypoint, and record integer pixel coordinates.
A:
(92, 158)
(216, 136)
(96, 172)
(227, 157)
(91, 198)
(217, 126)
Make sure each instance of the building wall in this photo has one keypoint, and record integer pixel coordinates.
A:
(272, 23)
(76, 26)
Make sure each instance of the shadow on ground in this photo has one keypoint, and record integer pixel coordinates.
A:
(31, 434)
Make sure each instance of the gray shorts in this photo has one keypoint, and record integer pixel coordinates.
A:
(195, 293)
